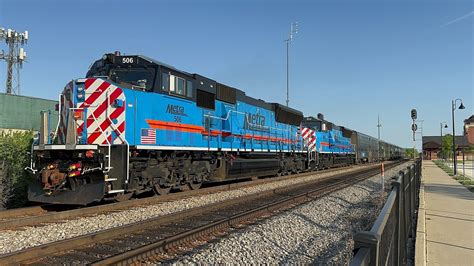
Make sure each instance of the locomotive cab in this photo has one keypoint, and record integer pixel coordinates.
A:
(134, 72)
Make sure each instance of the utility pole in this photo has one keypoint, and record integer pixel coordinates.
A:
(293, 32)
(378, 143)
(382, 173)
(15, 57)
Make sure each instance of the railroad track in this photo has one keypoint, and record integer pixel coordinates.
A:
(37, 215)
(21, 212)
(136, 242)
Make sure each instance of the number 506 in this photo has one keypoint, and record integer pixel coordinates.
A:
(127, 60)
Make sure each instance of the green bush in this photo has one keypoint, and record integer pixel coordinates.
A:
(467, 182)
(14, 151)
(461, 177)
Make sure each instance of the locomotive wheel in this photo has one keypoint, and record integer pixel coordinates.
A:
(160, 189)
(123, 197)
(197, 180)
(195, 185)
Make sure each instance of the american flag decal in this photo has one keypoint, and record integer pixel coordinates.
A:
(148, 136)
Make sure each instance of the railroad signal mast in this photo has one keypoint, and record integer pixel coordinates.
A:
(15, 57)
(414, 127)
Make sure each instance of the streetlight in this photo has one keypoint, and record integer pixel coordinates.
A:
(441, 136)
(293, 32)
(453, 107)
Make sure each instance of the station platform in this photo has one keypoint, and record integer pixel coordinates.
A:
(445, 230)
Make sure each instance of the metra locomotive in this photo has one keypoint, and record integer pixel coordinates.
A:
(135, 125)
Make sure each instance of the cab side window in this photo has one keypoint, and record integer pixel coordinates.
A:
(180, 86)
(165, 82)
(176, 85)
(189, 89)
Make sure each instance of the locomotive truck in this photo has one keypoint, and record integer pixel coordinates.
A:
(136, 125)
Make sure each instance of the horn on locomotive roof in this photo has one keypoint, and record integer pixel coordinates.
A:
(320, 116)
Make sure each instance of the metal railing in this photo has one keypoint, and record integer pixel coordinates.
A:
(387, 241)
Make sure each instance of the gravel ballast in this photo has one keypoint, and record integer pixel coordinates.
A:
(14, 240)
(317, 232)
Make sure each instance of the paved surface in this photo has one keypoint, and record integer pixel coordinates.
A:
(445, 232)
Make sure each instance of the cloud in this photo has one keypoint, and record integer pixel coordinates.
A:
(458, 19)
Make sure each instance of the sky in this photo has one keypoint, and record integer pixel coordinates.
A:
(350, 60)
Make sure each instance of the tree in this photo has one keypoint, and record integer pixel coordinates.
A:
(409, 152)
(6, 186)
(14, 157)
(447, 151)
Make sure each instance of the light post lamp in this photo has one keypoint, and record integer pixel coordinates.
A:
(441, 125)
(453, 107)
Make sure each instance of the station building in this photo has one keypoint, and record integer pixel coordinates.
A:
(469, 129)
(432, 146)
(20, 113)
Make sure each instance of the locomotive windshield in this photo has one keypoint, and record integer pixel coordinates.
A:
(313, 123)
(138, 77)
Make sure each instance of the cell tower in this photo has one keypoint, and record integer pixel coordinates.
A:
(15, 57)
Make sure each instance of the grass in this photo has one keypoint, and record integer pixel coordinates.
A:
(463, 180)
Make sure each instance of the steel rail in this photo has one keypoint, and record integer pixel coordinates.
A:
(20, 212)
(55, 248)
(16, 218)
(141, 254)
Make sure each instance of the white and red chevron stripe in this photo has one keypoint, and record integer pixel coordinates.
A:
(309, 137)
(103, 117)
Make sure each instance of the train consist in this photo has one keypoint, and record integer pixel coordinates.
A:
(136, 125)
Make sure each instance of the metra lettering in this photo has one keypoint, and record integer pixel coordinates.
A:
(255, 122)
(256, 119)
(175, 109)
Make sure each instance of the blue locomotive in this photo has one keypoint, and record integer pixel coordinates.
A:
(136, 125)
(333, 144)
(339, 146)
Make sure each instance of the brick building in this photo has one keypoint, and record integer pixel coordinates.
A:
(469, 129)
